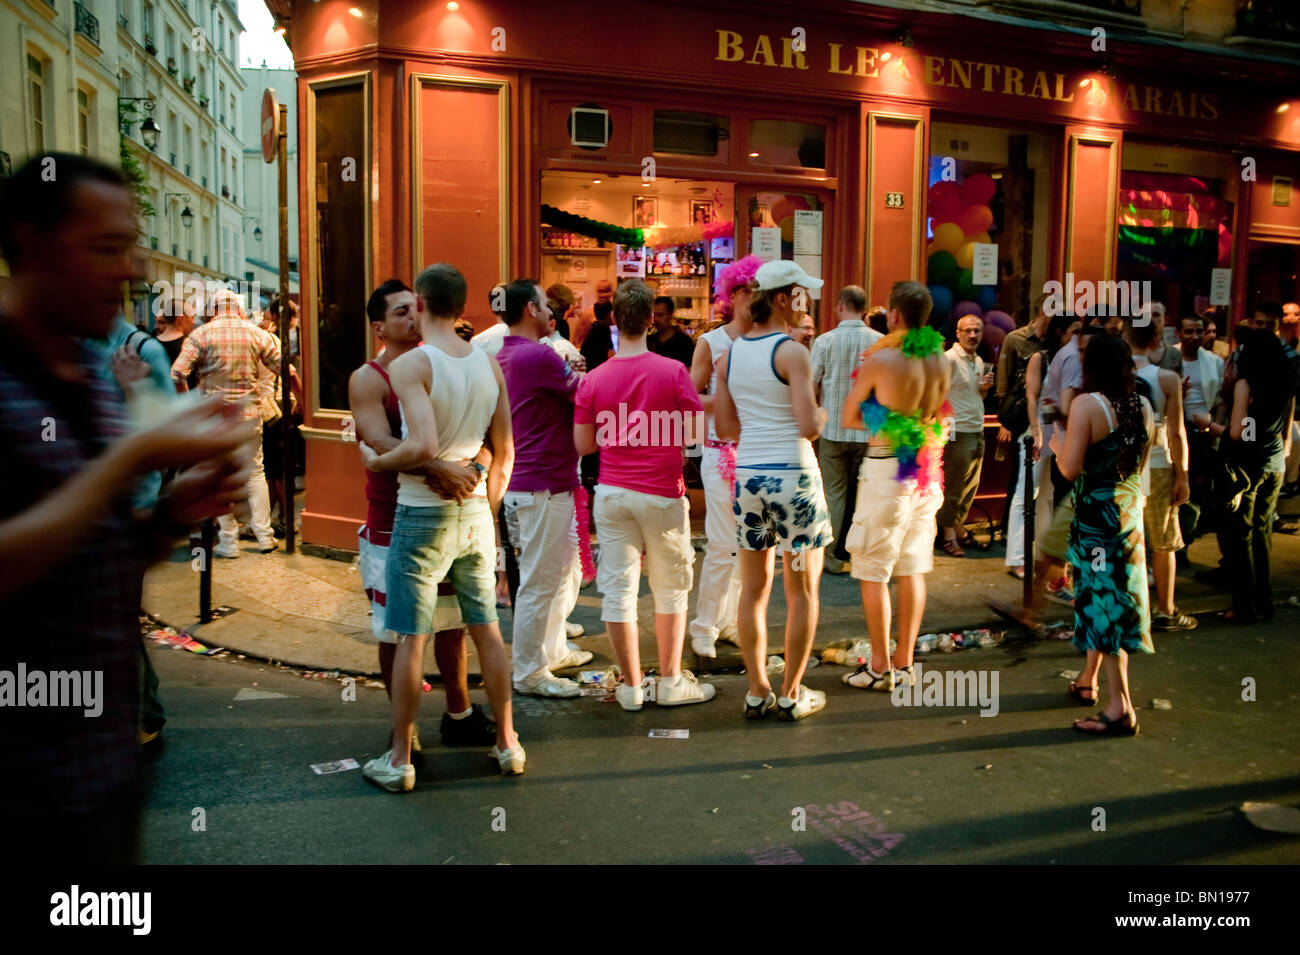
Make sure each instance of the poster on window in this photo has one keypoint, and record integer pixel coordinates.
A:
(766, 243)
(807, 232)
(630, 261)
(1221, 287)
(984, 265)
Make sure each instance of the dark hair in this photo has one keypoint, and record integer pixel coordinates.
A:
(377, 304)
(443, 289)
(666, 302)
(1271, 310)
(1057, 326)
(560, 297)
(632, 306)
(40, 194)
(1140, 335)
(1193, 318)
(913, 301)
(878, 318)
(1108, 369)
(854, 298)
(763, 303)
(602, 311)
(1237, 331)
(518, 294)
(1039, 301)
(1263, 363)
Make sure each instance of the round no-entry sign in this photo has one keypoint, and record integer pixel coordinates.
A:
(270, 125)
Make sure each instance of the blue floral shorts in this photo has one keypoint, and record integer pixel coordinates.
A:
(784, 507)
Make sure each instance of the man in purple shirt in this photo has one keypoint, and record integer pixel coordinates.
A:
(539, 501)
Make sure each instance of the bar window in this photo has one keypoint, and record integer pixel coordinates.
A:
(779, 142)
(340, 233)
(692, 134)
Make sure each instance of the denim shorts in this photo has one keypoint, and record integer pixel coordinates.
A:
(452, 541)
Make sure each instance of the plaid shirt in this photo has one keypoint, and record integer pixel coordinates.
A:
(835, 357)
(228, 351)
(82, 613)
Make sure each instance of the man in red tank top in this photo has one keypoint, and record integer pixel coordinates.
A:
(378, 420)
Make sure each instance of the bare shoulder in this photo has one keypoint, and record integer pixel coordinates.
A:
(414, 364)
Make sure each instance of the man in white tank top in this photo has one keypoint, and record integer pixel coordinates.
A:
(1166, 483)
(765, 399)
(715, 607)
(452, 394)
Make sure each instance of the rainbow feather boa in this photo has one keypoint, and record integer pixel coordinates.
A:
(918, 444)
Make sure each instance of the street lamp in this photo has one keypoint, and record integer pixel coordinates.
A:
(149, 130)
(257, 230)
(187, 217)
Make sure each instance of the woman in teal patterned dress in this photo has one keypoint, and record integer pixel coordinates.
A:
(1106, 443)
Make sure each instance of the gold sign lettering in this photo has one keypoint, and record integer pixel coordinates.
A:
(942, 71)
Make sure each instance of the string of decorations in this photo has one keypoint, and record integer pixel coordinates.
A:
(659, 238)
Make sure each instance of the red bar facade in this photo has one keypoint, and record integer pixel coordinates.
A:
(436, 134)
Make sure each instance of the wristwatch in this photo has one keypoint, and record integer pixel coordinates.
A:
(479, 467)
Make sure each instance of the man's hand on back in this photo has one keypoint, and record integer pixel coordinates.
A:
(454, 480)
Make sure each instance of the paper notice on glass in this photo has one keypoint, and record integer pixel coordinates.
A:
(766, 243)
(807, 232)
(985, 264)
(1221, 287)
(812, 264)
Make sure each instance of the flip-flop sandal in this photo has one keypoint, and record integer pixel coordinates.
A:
(953, 549)
(1128, 726)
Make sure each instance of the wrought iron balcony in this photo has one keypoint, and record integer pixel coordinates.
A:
(1269, 20)
(87, 23)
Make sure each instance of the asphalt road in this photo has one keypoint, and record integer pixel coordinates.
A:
(862, 782)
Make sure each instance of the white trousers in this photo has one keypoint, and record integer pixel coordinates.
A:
(259, 504)
(1016, 519)
(715, 609)
(543, 531)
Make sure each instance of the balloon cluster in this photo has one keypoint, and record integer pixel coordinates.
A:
(962, 218)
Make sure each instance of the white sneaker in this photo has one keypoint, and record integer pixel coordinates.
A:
(688, 689)
(549, 685)
(396, 779)
(572, 630)
(704, 647)
(809, 702)
(511, 761)
(631, 698)
(228, 552)
(574, 658)
(865, 678)
(904, 676)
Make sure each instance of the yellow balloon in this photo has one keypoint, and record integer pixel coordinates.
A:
(948, 238)
(982, 238)
(966, 255)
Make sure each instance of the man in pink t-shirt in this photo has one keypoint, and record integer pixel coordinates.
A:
(640, 410)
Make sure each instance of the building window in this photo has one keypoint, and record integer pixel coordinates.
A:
(189, 152)
(221, 33)
(778, 142)
(340, 235)
(233, 114)
(987, 186)
(691, 134)
(147, 33)
(36, 100)
(83, 122)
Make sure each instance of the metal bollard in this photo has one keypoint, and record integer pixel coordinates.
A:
(205, 574)
(1028, 451)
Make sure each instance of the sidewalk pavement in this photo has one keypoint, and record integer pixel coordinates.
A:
(311, 612)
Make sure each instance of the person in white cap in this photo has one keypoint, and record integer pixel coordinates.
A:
(765, 399)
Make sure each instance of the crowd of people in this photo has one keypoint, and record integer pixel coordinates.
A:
(502, 450)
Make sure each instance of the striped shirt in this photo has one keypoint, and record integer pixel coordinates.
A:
(835, 357)
(229, 352)
(81, 615)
